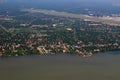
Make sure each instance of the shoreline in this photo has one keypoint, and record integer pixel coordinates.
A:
(52, 54)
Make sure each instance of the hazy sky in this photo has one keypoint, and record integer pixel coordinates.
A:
(67, 1)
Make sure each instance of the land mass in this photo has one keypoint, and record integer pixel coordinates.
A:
(31, 32)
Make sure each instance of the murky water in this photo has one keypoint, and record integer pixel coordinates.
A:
(104, 66)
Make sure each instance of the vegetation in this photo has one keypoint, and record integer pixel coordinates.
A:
(34, 33)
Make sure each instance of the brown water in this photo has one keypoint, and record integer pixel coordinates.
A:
(61, 67)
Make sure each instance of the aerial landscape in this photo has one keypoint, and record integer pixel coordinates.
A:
(59, 39)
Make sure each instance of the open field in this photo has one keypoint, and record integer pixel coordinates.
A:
(115, 21)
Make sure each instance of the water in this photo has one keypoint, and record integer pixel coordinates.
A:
(104, 66)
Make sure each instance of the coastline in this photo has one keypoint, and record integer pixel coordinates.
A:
(80, 55)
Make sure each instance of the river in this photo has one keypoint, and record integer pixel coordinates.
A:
(102, 66)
